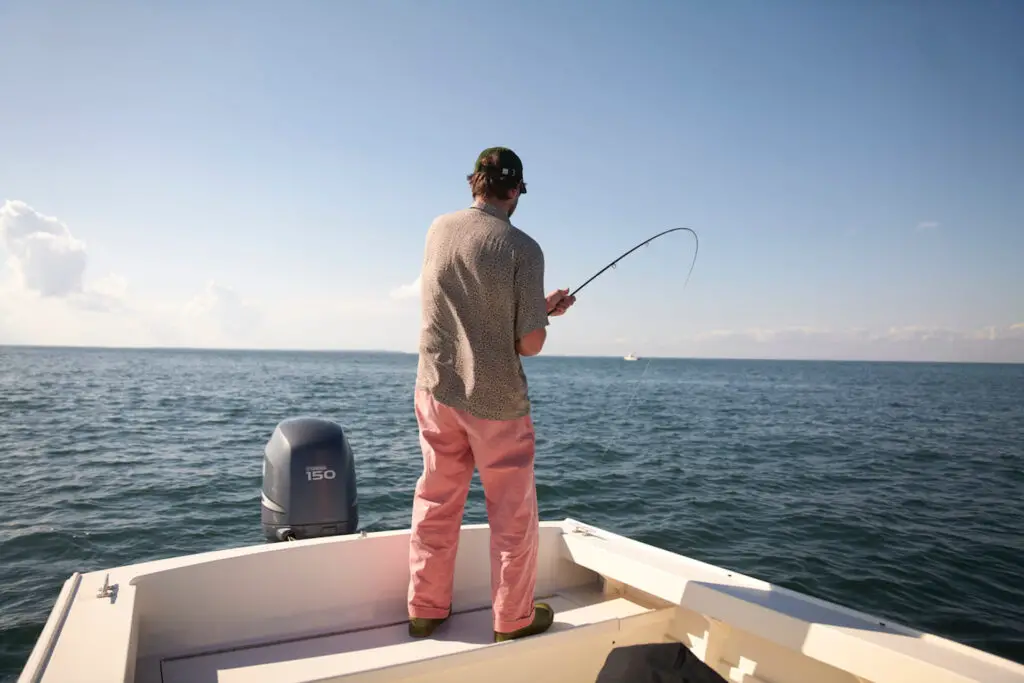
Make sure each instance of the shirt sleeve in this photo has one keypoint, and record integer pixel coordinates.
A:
(531, 304)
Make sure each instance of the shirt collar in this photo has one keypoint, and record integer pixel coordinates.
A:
(491, 209)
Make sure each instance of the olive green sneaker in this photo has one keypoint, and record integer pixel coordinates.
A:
(543, 617)
(421, 627)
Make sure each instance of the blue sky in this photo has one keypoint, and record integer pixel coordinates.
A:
(262, 174)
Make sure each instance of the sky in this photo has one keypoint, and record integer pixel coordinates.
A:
(262, 174)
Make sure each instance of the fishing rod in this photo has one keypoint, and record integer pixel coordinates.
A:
(644, 244)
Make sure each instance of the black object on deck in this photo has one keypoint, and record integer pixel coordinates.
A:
(656, 663)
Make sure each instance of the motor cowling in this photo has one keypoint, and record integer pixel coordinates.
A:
(309, 481)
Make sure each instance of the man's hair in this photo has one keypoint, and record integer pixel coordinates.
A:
(487, 182)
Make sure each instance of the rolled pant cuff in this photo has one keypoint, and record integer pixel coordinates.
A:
(427, 613)
(509, 626)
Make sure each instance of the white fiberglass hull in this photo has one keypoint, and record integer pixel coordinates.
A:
(333, 609)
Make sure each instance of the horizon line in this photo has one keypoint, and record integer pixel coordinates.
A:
(240, 349)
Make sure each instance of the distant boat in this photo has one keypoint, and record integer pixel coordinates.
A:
(630, 356)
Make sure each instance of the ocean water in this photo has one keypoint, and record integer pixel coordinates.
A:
(897, 489)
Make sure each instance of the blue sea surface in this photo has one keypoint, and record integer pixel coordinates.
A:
(897, 489)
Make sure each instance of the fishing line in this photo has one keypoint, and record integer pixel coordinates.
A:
(646, 242)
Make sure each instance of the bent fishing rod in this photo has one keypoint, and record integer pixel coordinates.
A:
(593, 277)
(644, 244)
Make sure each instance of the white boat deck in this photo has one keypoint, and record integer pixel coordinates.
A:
(334, 609)
(344, 654)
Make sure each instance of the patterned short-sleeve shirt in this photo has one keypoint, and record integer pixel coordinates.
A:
(481, 288)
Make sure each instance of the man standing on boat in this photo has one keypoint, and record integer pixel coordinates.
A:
(483, 306)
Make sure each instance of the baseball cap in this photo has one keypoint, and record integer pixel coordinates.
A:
(509, 164)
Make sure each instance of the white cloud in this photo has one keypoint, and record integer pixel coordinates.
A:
(85, 320)
(989, 343)
(108, 293)
(112, 286)
(1014, 331)
(48, 300)
(409, 291)
(907, 333)
(927, 225)
(917, 333)
(43, 254)
(921, 334)
(218, 316)
(47, 261)
(46, 297)
(762, 335)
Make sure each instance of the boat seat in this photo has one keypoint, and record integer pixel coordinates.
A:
(343, 655)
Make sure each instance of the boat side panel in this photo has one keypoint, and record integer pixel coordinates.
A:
(312, 588)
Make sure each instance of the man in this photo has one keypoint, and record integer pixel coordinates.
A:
(483, 306)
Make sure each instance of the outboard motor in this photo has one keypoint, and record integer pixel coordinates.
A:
(309, 481)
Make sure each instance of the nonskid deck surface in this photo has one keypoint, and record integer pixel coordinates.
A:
(339, 654)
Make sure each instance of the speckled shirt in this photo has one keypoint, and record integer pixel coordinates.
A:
(481, 288)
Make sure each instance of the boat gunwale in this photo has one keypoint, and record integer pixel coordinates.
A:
(46, 643)
(669, 576)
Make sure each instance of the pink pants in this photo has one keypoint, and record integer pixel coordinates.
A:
(453, 442)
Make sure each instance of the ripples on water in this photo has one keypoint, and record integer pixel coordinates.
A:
(891, 488)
